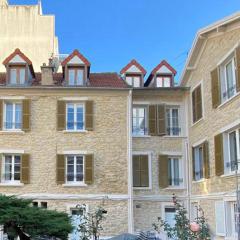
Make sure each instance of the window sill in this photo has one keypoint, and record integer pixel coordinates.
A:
(75, 131)
(229, 100)
(141, 136)
(74, 185)
(169, 136)
(9, 184)
(175, 188)
(142, 188)
(12, 132)
(199, 181)
(197, 122)
(229, 175)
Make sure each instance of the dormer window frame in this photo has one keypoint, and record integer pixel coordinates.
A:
(75, 67)
(170, 76)
(132, 75)
(17, 67)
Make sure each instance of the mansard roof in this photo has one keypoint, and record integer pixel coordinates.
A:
(133, 62)
(76, 53)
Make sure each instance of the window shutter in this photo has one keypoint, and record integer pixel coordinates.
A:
(193, 164)
(216, 98)
(198, 103)
(1, 114)
(60, 169)
(237, 57)
(1, 158)
(220, 218)
(161, 119)
(194, 110)
(26, 115)
(163, 171)
(88, 171)
(152, 120)
(61, 115)
(219, 162)
(144, 171)
(206, 160)
(25, 169)
(89, 115)
(136, 171)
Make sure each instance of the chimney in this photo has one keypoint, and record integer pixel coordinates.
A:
(47, 75)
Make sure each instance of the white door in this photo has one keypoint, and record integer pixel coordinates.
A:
(76, 220)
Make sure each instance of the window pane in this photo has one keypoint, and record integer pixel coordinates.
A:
(136, 82)
(70, 168)
(13, 76)
(9, 116)
(176, 171)
(139, 121)
(198, 152)
(230, 79)
(233, 150)
(166, 82)
(79, 117)
(22, 72)
(71, 77)
(18, 116)
(129, 80)
(8, 168)
(159, 82)
(80, 77)
(70, 116)
(175, 122)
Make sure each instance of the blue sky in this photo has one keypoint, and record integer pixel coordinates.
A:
(112, 32)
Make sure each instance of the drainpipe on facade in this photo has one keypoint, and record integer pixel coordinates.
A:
(130, 188)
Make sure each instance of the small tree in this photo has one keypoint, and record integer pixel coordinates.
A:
(19, 218)
(91, 223)
(183, 229)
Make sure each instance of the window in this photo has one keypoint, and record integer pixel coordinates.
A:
(163, 81)
(140, 171)
(75, 76)
(139, 121)
(17, 75)
(134, 81)
(198, 163)
(170, 213)
(232, 151)
(35, 204)
(44, 205)
(232, 219)
(173, 128)
(75, 116)
(194, 211)
(174, 171)
(12, 116)
(11, 168)
(75, 166)
(228, 79)
(197, 104)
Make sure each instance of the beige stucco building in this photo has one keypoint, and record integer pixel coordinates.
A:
(120, 140)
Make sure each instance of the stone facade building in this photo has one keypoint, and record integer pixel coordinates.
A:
(69, 136)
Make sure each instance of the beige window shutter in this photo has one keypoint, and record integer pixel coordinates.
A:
(89, 115)
(89, 169)
(237, 60)
(216, 98)
(193, 164)
(61, 115)
(136, 171)
(161, 119)
(144, 176)
(1, 114)
(26, 115)
(163, 171)
(219, 161)
(60, 169)
(25, 169)
(206, 160)
(152, 120)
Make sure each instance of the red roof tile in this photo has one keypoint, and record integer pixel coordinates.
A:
(134, 63)
(17, 52)
(78, 54)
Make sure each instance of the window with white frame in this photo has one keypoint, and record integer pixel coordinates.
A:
(12, 115)
(170, 213)
(228, 79)
(163, 81)
(231, 219)
(139, 124)
(194, 211)
(74, 169)
(173, 128)
(75, 76)
(134, 81)
(198, 163)
(231, 151)
(174, 171)
(75, 116)
(17, 75)
(11, 168)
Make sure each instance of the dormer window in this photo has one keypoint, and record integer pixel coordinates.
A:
(134, 81)
(17, 75)
(162, 81)
(75, 76)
